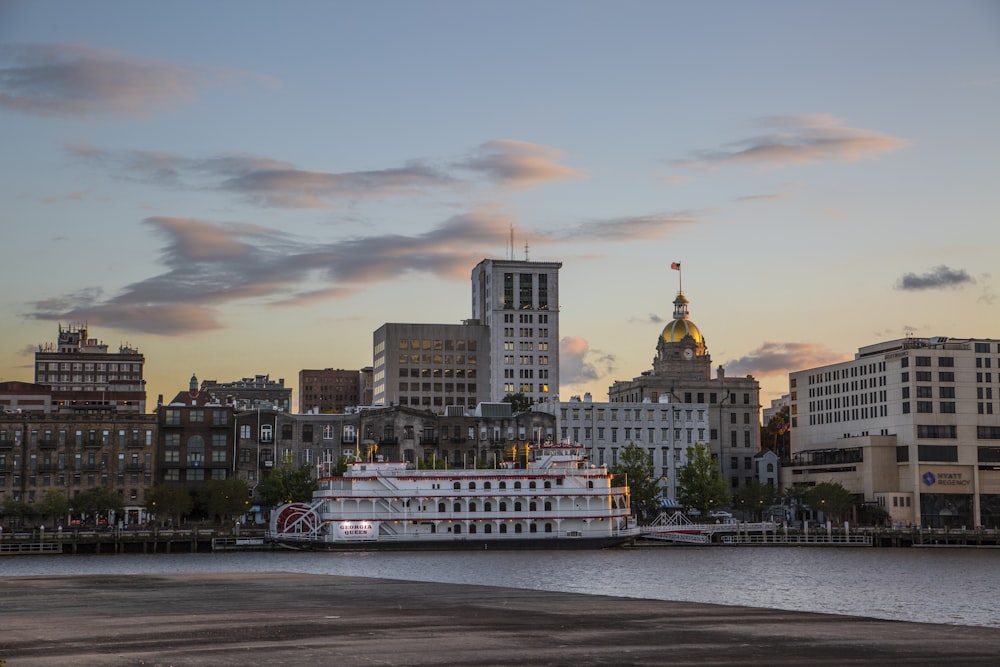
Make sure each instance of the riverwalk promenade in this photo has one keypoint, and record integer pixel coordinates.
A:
(296, 619)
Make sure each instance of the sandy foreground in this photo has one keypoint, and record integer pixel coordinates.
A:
(296, 619)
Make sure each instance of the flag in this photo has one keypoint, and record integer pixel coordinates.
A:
(676, 266)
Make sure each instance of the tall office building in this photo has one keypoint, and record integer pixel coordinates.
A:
(910, 425)
(329, 391)
(519, 302)
(86, 377)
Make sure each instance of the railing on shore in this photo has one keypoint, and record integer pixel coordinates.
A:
(822, 539)
(130, 541)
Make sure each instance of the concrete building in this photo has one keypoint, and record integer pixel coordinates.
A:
(681, 374)
(329, 390)
(519, 302)
(16, 396)
(431, 366)
(86, 377)
(250, 393)
(911, 425)
(664, 429)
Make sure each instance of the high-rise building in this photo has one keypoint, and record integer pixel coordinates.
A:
(86, 377)
(681, 374)
(911, 426)
(519, 302)
(329, 390)
(431, 366)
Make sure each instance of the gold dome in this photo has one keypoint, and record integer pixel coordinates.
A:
(676, 330)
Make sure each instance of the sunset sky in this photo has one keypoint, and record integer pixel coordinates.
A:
(241, 188)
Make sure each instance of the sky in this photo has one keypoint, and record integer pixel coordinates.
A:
(243, 188)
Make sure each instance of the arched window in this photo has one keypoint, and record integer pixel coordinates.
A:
(472, 507)
(457, 529)
(503, 485)
(503, 528)
(487, 485)
(503, 507)
(457, 485)
(533, 528)
(548, 528)
(472, 528)
(548, 505)
(441, 507)
(517, 485)
(457, 507)
(517, 506)
(531, 485)
(472, 485)
(590, 484)
(487, 507)
(488, 528)
(533, 506)
(517, 528)
(770, 467)
(548, 484)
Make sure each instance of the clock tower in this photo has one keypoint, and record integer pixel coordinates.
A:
(680, 350)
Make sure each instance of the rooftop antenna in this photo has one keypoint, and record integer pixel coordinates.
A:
(511, 247)
(526, 251)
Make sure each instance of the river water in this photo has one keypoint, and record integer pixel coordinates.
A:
(959, 586)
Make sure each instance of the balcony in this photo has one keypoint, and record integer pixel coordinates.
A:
(388, 440)
(46, 443)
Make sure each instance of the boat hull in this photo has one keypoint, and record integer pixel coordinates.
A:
(470, 544)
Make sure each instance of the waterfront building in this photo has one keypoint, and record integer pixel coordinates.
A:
(681, 374)
(430, 366)
(71, 452)
(195, 439)
(16, 396)
(250, 393)
(664, 429)
(911, 425)
(518, 301)
(329, 390)
(86, 377)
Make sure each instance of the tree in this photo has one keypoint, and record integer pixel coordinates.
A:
(224, 499)
(776, 434)
(636, 470)
(755, 498)
(287, 484)
(17, 511)
(99, 501)
(168, 501)
(699, 482)
(832, 499)
(55, 506)
(518, 402)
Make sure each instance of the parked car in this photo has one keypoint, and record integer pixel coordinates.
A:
(720, 514)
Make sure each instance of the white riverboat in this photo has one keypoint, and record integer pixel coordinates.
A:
(549, 498)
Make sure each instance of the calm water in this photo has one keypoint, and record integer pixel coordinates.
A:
(943, 585)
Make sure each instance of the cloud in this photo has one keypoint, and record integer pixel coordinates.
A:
(578, 363)
(774, 358)
(518, 164)
(799, 140)
(937, 278)
(642, 228)
(81, 82)
(653, 318)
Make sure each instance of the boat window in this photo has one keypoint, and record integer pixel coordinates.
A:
(487, 507)
(590, 484)
(548, 485)
(458, 529)
(457, 485)
(472, 528)
(503, 507)
(517, 485)
(503, 485)
(457, 507)
(533, 528)
(503, 528)
(548, 528)
(486, 485)
(472, 507)
(472, 485)
(533, 506)
(531, 485)
(488, 528)
(548, 506)
(517, 506)
(440, 507)
(517, 528)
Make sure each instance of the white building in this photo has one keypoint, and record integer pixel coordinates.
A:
(665, 430)
(912, 425)
(519, 302)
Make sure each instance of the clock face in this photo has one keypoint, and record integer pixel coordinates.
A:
(688, 353)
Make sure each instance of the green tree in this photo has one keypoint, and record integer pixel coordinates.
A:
(287, 484)
(755, 498)
(518, 402)
(776, 434)
(168, 502)
(18, 511)
(832, 499)
(100, 501)
(699, 482)
(55, 506)
(224, 499)
(433, 463)
(635, 469)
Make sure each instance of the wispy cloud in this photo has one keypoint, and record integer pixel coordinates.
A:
(74, 81)
(208, 265)
(273, 183)
(579, 364)
(653, 318)
(518, 164)
(941, 277)
(634, 228)
(799, 140)
(774, 358)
